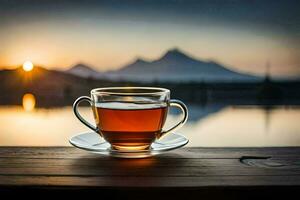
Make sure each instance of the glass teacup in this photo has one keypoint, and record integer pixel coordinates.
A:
(131, 118)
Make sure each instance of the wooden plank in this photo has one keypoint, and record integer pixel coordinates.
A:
(184, 153)
(150, 181)
(142, 167)
(187, 167)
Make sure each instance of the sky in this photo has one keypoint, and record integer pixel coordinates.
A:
(243, 35)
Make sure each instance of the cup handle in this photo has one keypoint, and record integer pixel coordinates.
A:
(77, 114)
(182, 106)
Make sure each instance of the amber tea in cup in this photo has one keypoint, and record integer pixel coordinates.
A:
(130, 118)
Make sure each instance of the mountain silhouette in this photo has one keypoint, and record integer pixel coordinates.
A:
(173, 66)
(83, 70)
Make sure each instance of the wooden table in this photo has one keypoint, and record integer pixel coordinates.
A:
(210, 172)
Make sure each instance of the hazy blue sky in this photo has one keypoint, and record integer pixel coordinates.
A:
(108, 34)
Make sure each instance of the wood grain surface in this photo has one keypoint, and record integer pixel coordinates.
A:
(199, 169)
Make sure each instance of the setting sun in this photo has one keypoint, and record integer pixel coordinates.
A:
(27, 66)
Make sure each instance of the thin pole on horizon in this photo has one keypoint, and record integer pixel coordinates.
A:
(268, 69)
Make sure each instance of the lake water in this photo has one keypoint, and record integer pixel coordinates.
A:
(208, 126)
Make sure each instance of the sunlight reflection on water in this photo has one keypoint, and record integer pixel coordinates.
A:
(207, 126)
(28, 102)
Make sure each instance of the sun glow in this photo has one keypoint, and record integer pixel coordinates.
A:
(27, 66)
(28, 102)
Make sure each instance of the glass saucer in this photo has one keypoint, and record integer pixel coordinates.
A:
(92, 142)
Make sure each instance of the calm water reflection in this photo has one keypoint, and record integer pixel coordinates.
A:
(28, 102)
(207, 126)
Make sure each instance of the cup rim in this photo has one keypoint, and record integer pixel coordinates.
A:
(103, 90)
